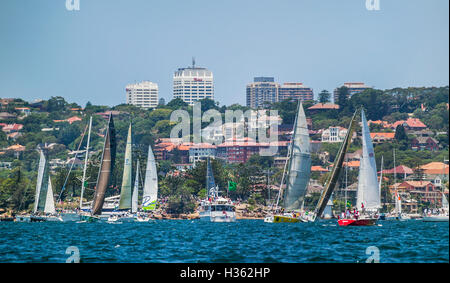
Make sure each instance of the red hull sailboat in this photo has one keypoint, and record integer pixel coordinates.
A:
(357, 222)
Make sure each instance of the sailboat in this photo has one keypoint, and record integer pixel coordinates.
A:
(443, 214)
(296, 172)
(368, 200)
(397, 213)
(125, 203)
(73, 216)
(44, 202)
(104, 173)
(337, 167)
(135, 199)
(215, 208)
(150, 192)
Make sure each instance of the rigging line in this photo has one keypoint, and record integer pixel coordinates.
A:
(73, 162)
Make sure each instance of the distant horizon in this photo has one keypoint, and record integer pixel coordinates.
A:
(92, 54)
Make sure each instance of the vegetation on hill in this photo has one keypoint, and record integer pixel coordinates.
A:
(18, 184)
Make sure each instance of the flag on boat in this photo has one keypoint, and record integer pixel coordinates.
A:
(232, 186)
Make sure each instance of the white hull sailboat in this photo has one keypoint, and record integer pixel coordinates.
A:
(44, 202)
(443, 214)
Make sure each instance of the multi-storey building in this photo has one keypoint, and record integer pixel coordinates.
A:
(295, 91)
(193, 83)
(144, 94)
(262, 91)
(334, 134)
(265, 90)
(353, 88)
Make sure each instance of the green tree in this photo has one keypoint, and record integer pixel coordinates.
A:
(324, 96)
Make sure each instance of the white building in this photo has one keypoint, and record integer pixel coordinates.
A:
(334, 134)
(144, 94)
(193, 83)
(201, 151)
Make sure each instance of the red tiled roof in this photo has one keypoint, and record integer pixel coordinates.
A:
(73, 119)
(322, 106)
(318, 169)
(401, 169)
(384, 135)
(415, 123)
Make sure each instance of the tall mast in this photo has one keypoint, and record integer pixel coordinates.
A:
(346, 183)
(395, 186)
(85, 163)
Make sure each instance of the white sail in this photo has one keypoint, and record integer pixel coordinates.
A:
(381, 179)
(134, 198)
(150, 193)
(444, 202)
(125, 192)
(39, 180)
(328, 213)
(368, 187)
(299, 170)
(398, 203)
(49, 201)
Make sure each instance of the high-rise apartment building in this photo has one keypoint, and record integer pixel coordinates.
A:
(353, 88)
(262, 91)
(143, 94)
(295, 91)
(193, 83)
(265, 90)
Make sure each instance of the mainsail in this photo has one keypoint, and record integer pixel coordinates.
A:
(150, 194)
(106, 167)
(331, 182)
(368, 187)
(299, 170)
(210, 183)
(49, 201)
(125, 193)
(40, 177)
(398, 203)
(134, 198)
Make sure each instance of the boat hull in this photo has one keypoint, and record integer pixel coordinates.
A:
(437, 218)
(357, 222)
(89, 218)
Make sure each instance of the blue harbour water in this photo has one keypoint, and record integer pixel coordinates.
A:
(252, 241)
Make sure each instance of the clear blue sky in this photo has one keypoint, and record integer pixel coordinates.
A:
(91, 54)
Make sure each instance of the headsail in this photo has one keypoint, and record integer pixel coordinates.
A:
(444, 202)
(150, 194)
(106, 167)
(331, 182)
(368, 187)
(134, 198)
(299, 170)
(49, 201)
(126, 193)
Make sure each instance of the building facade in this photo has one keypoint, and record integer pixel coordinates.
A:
(262, 91)
(295, 91)
(193, 83)
(334, 134)
(144, 94)
(353, 88)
